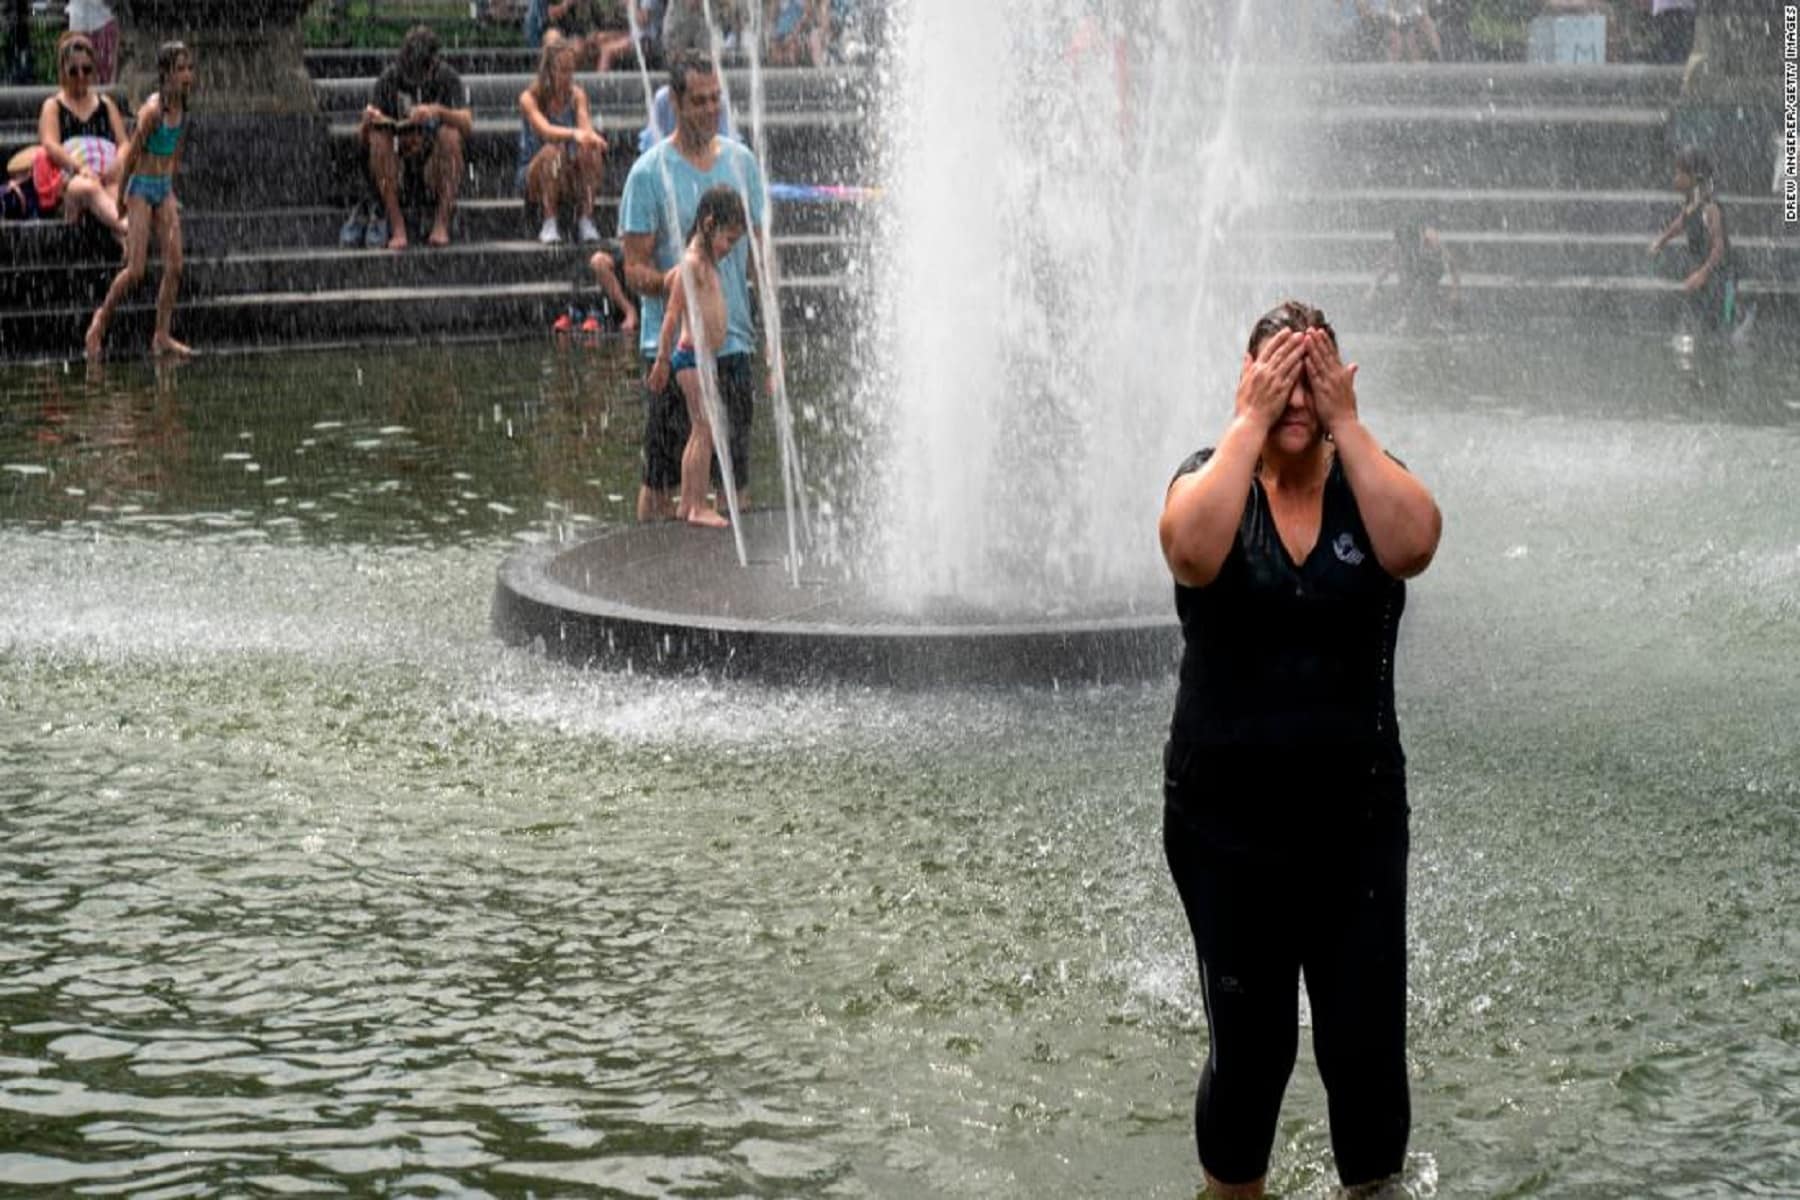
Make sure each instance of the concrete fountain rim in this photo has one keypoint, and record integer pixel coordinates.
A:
(598, 626)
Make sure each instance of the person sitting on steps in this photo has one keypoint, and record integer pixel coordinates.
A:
(419, 117)
(561, 156)
(78, 110)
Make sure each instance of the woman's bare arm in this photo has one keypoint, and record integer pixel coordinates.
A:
(1201, 510)
(1397, 510)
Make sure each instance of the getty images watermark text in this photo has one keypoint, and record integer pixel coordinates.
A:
(1790, 113)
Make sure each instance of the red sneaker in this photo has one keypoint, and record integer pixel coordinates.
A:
(562, 324)
(591, 325)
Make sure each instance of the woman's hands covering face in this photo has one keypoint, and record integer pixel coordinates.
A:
(1331, 381)
(1268, 379)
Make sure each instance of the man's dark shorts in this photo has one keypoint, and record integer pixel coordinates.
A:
(666, 426)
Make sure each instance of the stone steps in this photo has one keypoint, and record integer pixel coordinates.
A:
(1623, 85)
(53, 244)
(792, 98)
(501, 255)
(289, 269)
(507, 285)
(507, 310)
(1501, 301)
(1547, 183)
(1523, 255)
(1507, 210)
(334, 316)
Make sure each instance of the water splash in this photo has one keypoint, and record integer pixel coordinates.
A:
(1053, 290)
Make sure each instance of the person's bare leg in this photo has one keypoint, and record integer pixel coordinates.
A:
(619, 49)
(590, 166)
(167, 219)
(384, 165)
(696, 458)
(593, 51)
(447, 171)
(566, 182)
(137, 252)
(90, 195)
(608, 278)
(540, 180)
(654, 504)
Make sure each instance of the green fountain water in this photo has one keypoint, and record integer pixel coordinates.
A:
(310, 885)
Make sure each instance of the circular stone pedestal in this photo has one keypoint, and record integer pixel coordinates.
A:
(672, 599)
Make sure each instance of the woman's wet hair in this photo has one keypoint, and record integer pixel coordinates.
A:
(722, 207)
(1289, 314)
(168, 57)
(543, 87)
(70, 44)
(1697, 163)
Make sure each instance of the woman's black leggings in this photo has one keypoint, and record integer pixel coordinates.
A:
(1275, 891)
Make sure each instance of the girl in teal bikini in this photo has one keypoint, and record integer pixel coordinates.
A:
(148, 198)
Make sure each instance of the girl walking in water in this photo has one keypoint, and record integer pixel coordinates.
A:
(1711, 284)
(694, 295)
(149, 165)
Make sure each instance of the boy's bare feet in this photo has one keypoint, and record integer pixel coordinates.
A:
(162, 343)
(439, 237)
(397, 240)
(629, 323)
(94, 342)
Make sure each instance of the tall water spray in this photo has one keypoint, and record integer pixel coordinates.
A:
(1056, 307)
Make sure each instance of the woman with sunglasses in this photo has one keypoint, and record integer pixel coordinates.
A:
(78, 109)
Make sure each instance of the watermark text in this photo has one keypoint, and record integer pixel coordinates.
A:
(1790, 113)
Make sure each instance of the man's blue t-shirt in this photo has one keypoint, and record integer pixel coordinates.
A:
(644, 208)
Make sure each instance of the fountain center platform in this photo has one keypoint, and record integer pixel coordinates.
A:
(671, 599)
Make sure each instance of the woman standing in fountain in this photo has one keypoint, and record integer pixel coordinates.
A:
(148, 198)
(1285, 815)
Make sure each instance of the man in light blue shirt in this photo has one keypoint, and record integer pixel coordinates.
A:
(655, 215)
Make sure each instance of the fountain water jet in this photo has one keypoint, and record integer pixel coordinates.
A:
(1032, 401)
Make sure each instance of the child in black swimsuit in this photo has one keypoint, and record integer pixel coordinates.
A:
(1711, 283)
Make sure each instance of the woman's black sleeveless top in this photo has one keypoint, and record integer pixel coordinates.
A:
(1290, 662)
(69, 125)
(1693, 224)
